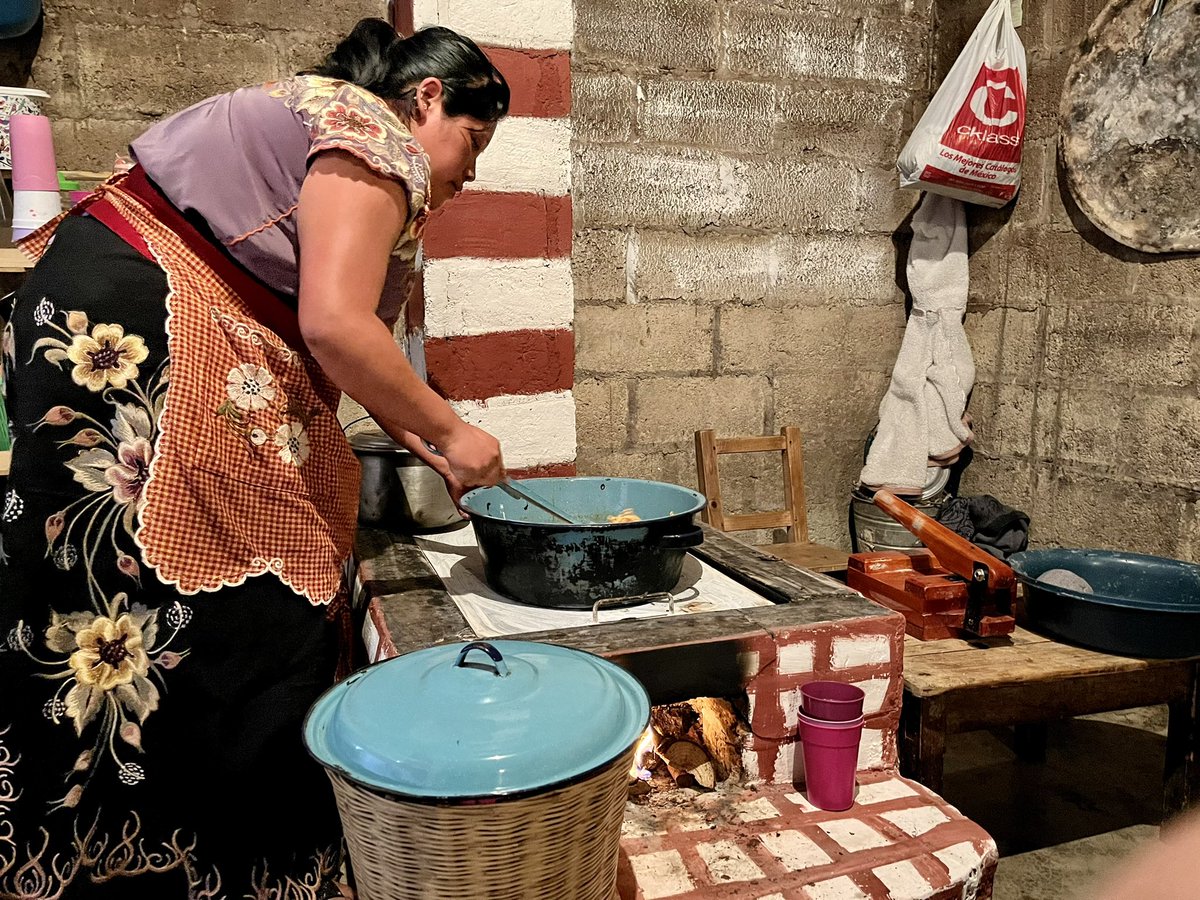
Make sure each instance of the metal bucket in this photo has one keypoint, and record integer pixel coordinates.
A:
(871, 529)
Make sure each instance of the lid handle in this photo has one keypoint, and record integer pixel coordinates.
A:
(500, 665)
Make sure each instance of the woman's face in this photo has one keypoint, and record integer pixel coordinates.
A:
(452, 142)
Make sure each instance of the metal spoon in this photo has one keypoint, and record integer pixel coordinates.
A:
(510, 487)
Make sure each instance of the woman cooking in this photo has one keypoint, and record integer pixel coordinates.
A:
(182, 500)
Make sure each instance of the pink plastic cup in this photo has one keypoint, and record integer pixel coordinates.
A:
(832, 701)
(33, 167)
(830, 754)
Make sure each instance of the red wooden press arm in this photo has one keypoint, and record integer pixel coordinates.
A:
(953, 551)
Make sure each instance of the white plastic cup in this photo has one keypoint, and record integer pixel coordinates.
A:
(36, 206)
(32, 210)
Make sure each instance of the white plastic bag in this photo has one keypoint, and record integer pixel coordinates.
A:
(968, 143)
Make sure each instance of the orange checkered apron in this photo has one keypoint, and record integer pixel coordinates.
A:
(251, 472)
(179, 483)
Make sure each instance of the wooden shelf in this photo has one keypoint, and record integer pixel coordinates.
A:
(13, 260)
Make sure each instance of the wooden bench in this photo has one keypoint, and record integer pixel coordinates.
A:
(1026, 680)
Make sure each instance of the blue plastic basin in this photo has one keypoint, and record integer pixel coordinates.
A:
(1140, 606)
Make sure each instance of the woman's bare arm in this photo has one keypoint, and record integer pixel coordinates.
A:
(349, 219)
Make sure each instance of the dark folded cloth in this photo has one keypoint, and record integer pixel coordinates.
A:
(987, 523)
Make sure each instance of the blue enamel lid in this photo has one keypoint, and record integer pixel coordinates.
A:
(485, 719)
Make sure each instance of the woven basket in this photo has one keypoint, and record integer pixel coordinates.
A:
(561, 844)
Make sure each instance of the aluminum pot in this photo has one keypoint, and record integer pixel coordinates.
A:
(398, 489)
(535, 559)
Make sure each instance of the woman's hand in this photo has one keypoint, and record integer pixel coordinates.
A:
(474, 460)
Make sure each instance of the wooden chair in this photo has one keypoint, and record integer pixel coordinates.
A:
(797, 549)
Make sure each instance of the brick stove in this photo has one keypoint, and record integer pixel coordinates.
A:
(760, 840)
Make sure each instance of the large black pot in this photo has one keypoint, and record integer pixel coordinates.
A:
(533, 558)
(1141, 605)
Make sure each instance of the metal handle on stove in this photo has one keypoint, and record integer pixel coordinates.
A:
(633, 600)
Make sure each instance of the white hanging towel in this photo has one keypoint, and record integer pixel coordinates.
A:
(921, 418)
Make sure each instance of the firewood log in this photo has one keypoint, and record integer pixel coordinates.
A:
(686, 758)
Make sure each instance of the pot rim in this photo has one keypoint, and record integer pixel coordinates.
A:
(699, 501)
(1025, 563)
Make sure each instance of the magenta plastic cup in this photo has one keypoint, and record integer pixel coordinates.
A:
(832, 701)
(34, 168)
(830, 754)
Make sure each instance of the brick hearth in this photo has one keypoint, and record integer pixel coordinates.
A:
(898, 842)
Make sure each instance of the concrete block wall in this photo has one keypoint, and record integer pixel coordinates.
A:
(734, 261)
(1086, 404)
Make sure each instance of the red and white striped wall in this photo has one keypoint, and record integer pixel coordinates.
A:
(496, 328)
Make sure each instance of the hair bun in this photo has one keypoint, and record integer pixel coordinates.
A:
(362, 57)
(374, 57)
(375, 34)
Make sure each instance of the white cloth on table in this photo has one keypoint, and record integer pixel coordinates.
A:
(454, 556)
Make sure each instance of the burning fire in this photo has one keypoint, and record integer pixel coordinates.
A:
(638, 772)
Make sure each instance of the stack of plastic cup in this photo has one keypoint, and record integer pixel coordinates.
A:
(831, 724)
(34, 174)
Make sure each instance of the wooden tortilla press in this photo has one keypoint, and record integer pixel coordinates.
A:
(950, 589)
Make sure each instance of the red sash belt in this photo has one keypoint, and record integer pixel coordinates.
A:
(266, 306)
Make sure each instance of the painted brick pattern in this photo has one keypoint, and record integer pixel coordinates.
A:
(862, 651)
(771, 844)
(497, 329)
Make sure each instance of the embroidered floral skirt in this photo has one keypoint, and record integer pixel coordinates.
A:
(149, 741)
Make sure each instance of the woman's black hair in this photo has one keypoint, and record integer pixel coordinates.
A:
(374, 57)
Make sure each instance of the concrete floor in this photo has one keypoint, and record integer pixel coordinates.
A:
(1061, 824)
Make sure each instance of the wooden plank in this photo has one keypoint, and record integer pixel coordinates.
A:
(915, 647)
(793, 484)
(767, 574)
(87, 176)
(922, 747)
(1181, 776)
(5, 462)
(764, 444)
(749, 521)
(13, 260)
(816, 557)
(710, 478)
(1014, 665)
(1062, 698)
